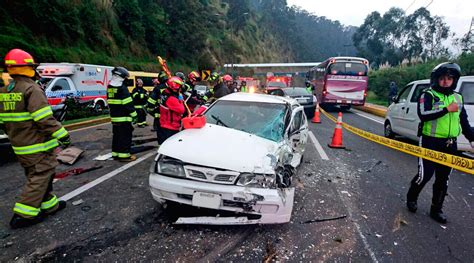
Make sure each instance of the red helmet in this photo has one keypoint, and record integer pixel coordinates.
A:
(174, 83)
(18, 57)
(227, 77)
(194, 76)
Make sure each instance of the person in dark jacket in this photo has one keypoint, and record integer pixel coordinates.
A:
(219, 89)
(443, 117)
(154, 100)
(171, 109)
(122, 115)
(140, 97)
(392, 92)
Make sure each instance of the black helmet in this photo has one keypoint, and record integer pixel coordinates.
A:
(307, 82)
(180, 75)
(162, 77)
(446, 68)
(243, 83)
(121, 71)
(214, 76)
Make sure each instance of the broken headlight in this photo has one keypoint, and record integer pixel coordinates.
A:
(256, 180)
(170, 166)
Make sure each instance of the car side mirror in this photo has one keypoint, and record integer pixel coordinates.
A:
(394, 99)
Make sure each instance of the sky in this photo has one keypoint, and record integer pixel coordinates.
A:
(457, 13)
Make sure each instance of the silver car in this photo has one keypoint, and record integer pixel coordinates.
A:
(402, 117)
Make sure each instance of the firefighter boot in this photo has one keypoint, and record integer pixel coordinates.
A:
(436, 206)
(20, 222)
(61, 206)
(129, 159)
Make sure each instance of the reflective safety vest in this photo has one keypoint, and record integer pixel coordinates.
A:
(449, 125)
(309, 89)
(243, 89)
(140, 97)
(120, 104)
(28, 118)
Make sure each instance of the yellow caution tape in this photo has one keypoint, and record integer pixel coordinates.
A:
(459, 163)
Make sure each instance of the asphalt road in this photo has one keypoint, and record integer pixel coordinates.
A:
(362, 188)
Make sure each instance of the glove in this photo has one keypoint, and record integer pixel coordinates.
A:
(65, 141)
(180, 97)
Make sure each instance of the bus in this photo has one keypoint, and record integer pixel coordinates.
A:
(147, 78)
(340, 81)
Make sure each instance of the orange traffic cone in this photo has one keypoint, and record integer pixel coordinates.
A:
(316, 118)
(337, 136)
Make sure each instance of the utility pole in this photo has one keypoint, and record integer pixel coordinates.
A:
(468, 36)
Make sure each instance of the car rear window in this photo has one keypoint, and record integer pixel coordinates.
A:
(296, 92)
(348, 68)
(467, 91)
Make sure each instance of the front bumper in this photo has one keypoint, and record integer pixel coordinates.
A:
(273, 206)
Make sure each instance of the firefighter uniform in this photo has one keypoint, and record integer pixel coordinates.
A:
(33, 132)
(439, 131)
(140, 97)
(122, 115)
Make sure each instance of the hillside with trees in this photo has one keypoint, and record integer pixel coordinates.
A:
(190, 34)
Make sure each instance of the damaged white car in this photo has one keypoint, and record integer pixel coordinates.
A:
(241, 161)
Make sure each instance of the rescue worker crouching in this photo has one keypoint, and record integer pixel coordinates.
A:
(122, 115)
(28, 120)
(171, 109)
(140, 97)
(443, 118)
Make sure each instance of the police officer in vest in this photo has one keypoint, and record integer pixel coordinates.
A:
(122, 115)
(443, 118)
(28, 120)
(309, 86)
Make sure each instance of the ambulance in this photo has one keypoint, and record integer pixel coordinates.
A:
(85, 81)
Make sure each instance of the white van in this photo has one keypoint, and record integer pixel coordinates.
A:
(88, 82)
(402, 118)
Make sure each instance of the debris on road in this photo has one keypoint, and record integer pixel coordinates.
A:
(77, 202)
(365, 217)
(377, 235)
(271, 253)
(443, 227)
(373, 166)
(345, 192)
(104, 157)
(69, 155)
(324, 219)
(338, 239)
(76, 171)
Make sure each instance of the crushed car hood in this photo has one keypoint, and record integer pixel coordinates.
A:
(224, 148)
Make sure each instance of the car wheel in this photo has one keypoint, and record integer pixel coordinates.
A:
(99, 107)
(388, 132)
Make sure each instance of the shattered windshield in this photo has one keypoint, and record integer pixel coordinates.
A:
(262, 119)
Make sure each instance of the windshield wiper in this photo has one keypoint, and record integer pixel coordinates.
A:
(219, 121)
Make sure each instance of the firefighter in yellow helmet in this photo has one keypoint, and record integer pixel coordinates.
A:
(28, 120)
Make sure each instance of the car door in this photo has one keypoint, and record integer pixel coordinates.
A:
(396, 109)
(298, 134)
(409, 116)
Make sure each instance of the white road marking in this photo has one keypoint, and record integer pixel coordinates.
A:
(366, 116)
(103, 178)
(90, 127)
(318, 146)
